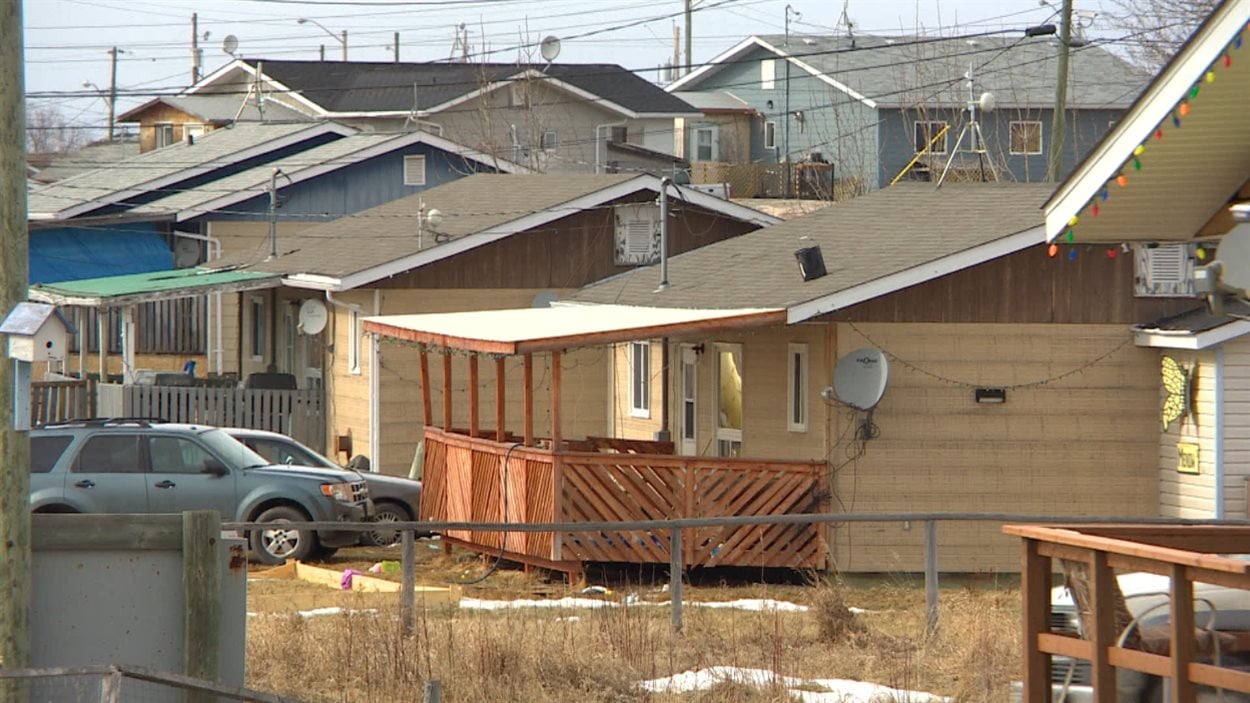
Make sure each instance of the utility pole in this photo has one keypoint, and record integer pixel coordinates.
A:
(689, 36)
(344, 40)
(15, 560)
(396, 47)
(113, 52)
(195, 48)
(1057, 126)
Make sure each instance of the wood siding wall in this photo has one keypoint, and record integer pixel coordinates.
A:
(1086, 444)
(1181, 494)
(165, 114)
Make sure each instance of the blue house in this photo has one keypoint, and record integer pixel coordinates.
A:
(870, 105)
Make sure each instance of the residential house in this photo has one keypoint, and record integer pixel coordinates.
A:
(479, 243)
(1165, 181)
(954, 285)
(587, 118)
(170, 119)
(869, 105)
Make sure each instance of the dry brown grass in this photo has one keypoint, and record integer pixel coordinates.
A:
(590, 656)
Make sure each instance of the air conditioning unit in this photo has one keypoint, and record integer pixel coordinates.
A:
(1163, 271)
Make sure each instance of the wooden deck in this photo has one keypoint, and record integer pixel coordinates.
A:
(485, 480)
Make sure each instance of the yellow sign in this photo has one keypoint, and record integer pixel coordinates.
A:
(1187, 454)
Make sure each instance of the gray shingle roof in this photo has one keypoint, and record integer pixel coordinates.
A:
(387, 233)
(904, 70)
(864, 239)
(171, 164)
(359, 86)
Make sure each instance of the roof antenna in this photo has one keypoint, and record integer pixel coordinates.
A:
(845, 18)
(972, 130)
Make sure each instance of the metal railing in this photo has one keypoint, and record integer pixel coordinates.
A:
(115, 684)
(675, 528)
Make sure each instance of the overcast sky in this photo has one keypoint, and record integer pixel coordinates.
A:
(67, 41)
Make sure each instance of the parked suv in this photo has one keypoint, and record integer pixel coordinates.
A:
(149, 466)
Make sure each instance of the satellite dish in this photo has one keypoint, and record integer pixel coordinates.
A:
(230, 44)
(312, 316)
(549, 48)
(186, 253)
(987, 101)
(859, 379)
(544, 299)
(1233, 255)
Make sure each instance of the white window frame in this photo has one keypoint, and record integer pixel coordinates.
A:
(410, 164)
(714, 142)
(770, 134)
(934, 126)
(726, 436)
(353, 342)
(256, 308)
(1011, 137)
(639, 379)
(163, 128)
(550, 140)
(796, 382)
(768, 74)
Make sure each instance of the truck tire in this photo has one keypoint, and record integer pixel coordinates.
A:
(383, 513)
(277, 544)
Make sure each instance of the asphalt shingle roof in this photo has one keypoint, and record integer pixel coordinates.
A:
(905, 70)
(872, 236)
(388, 232)
(133, 176)
(358, 86)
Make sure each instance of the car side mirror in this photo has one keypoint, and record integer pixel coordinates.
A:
(214, 467)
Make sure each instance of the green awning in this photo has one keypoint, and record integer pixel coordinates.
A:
(119, 291)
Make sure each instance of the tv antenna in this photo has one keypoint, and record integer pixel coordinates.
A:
(972, 130)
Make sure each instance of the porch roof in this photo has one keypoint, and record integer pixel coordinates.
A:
(119, 291)
(1197, 328)
(521, 331)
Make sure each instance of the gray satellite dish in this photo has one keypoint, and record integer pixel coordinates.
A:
(987, 102)
(312, 316)
(230, 44)
(186, 253)
(544, 299)
(549, 48)
(859, 379)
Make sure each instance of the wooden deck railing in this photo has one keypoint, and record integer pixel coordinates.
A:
(477, 479)
(1186, 554)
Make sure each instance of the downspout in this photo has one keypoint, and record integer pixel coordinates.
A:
(598, 141)
(375, 392)
(214, 308)
(1219, 433)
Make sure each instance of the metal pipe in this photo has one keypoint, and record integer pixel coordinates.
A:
(407, 602)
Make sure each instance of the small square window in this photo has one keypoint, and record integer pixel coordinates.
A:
(1026, 137)
(550, 139)
(414, 170)
(770, 135)
(797, 383)
(258, 328)
(927, 132)
(164, 134)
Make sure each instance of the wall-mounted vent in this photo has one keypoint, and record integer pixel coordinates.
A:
(637, 234)
(1163, 271)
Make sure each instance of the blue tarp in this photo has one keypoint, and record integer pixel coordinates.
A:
(75, 253)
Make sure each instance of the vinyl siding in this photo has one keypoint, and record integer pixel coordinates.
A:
(1189, 495)
(1236, 426)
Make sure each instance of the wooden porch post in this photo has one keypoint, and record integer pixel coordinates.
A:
(1183, 690)
(473, 405)
(425, 388)
(555, 400)
(501, 419)
(557, 466)
(529, 400)
(447, 390)
(1035, 587)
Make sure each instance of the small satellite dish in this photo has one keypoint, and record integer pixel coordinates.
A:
(549, 48)
(230, 44)
(186, 253)
(544, 299)
(312, 316)
(987, 102)
(859, 379)
(1233, 255)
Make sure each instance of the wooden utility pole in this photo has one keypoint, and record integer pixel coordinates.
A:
(1057, 126)
(113, 52)
(195, 48)
(689, 36)
(14, 445)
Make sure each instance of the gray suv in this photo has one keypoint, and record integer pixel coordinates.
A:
(149, 466)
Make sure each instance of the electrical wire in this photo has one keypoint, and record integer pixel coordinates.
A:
(503, 536)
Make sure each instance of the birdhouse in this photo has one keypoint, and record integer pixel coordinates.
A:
(37, 332)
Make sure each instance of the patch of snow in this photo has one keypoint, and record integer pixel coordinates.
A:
(807, 690)
(752, 604)
(476, 604)
(756, 604)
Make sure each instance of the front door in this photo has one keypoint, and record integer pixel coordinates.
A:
(689, 415)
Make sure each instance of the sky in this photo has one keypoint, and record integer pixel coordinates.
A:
(67, 42)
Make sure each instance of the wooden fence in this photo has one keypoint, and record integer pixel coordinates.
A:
(57, 401)
(178, 326)
(809, 181)
(297, 413)
(470, 479)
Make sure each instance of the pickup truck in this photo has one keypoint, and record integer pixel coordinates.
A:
(150, 466)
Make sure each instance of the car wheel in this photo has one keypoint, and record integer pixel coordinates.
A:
(274, 545)
(386, 512)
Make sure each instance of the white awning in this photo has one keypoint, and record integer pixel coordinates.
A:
(526, 330)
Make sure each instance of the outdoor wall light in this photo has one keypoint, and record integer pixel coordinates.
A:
(990, 395)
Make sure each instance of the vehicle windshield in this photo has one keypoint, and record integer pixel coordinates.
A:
(232, 451)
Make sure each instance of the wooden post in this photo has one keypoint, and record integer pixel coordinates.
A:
(931, 574)
(447, 390)
(201, 592)
(407, 599)
(529, 400)
(1103, 630)
(473, 406)
(555, 402)
(1183, 690)
(14, 445)
(557, 463)
(425, 388)
(501, 416)
(1035, 589)
(675, 568)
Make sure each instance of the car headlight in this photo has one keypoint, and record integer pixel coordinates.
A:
(338, 491)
